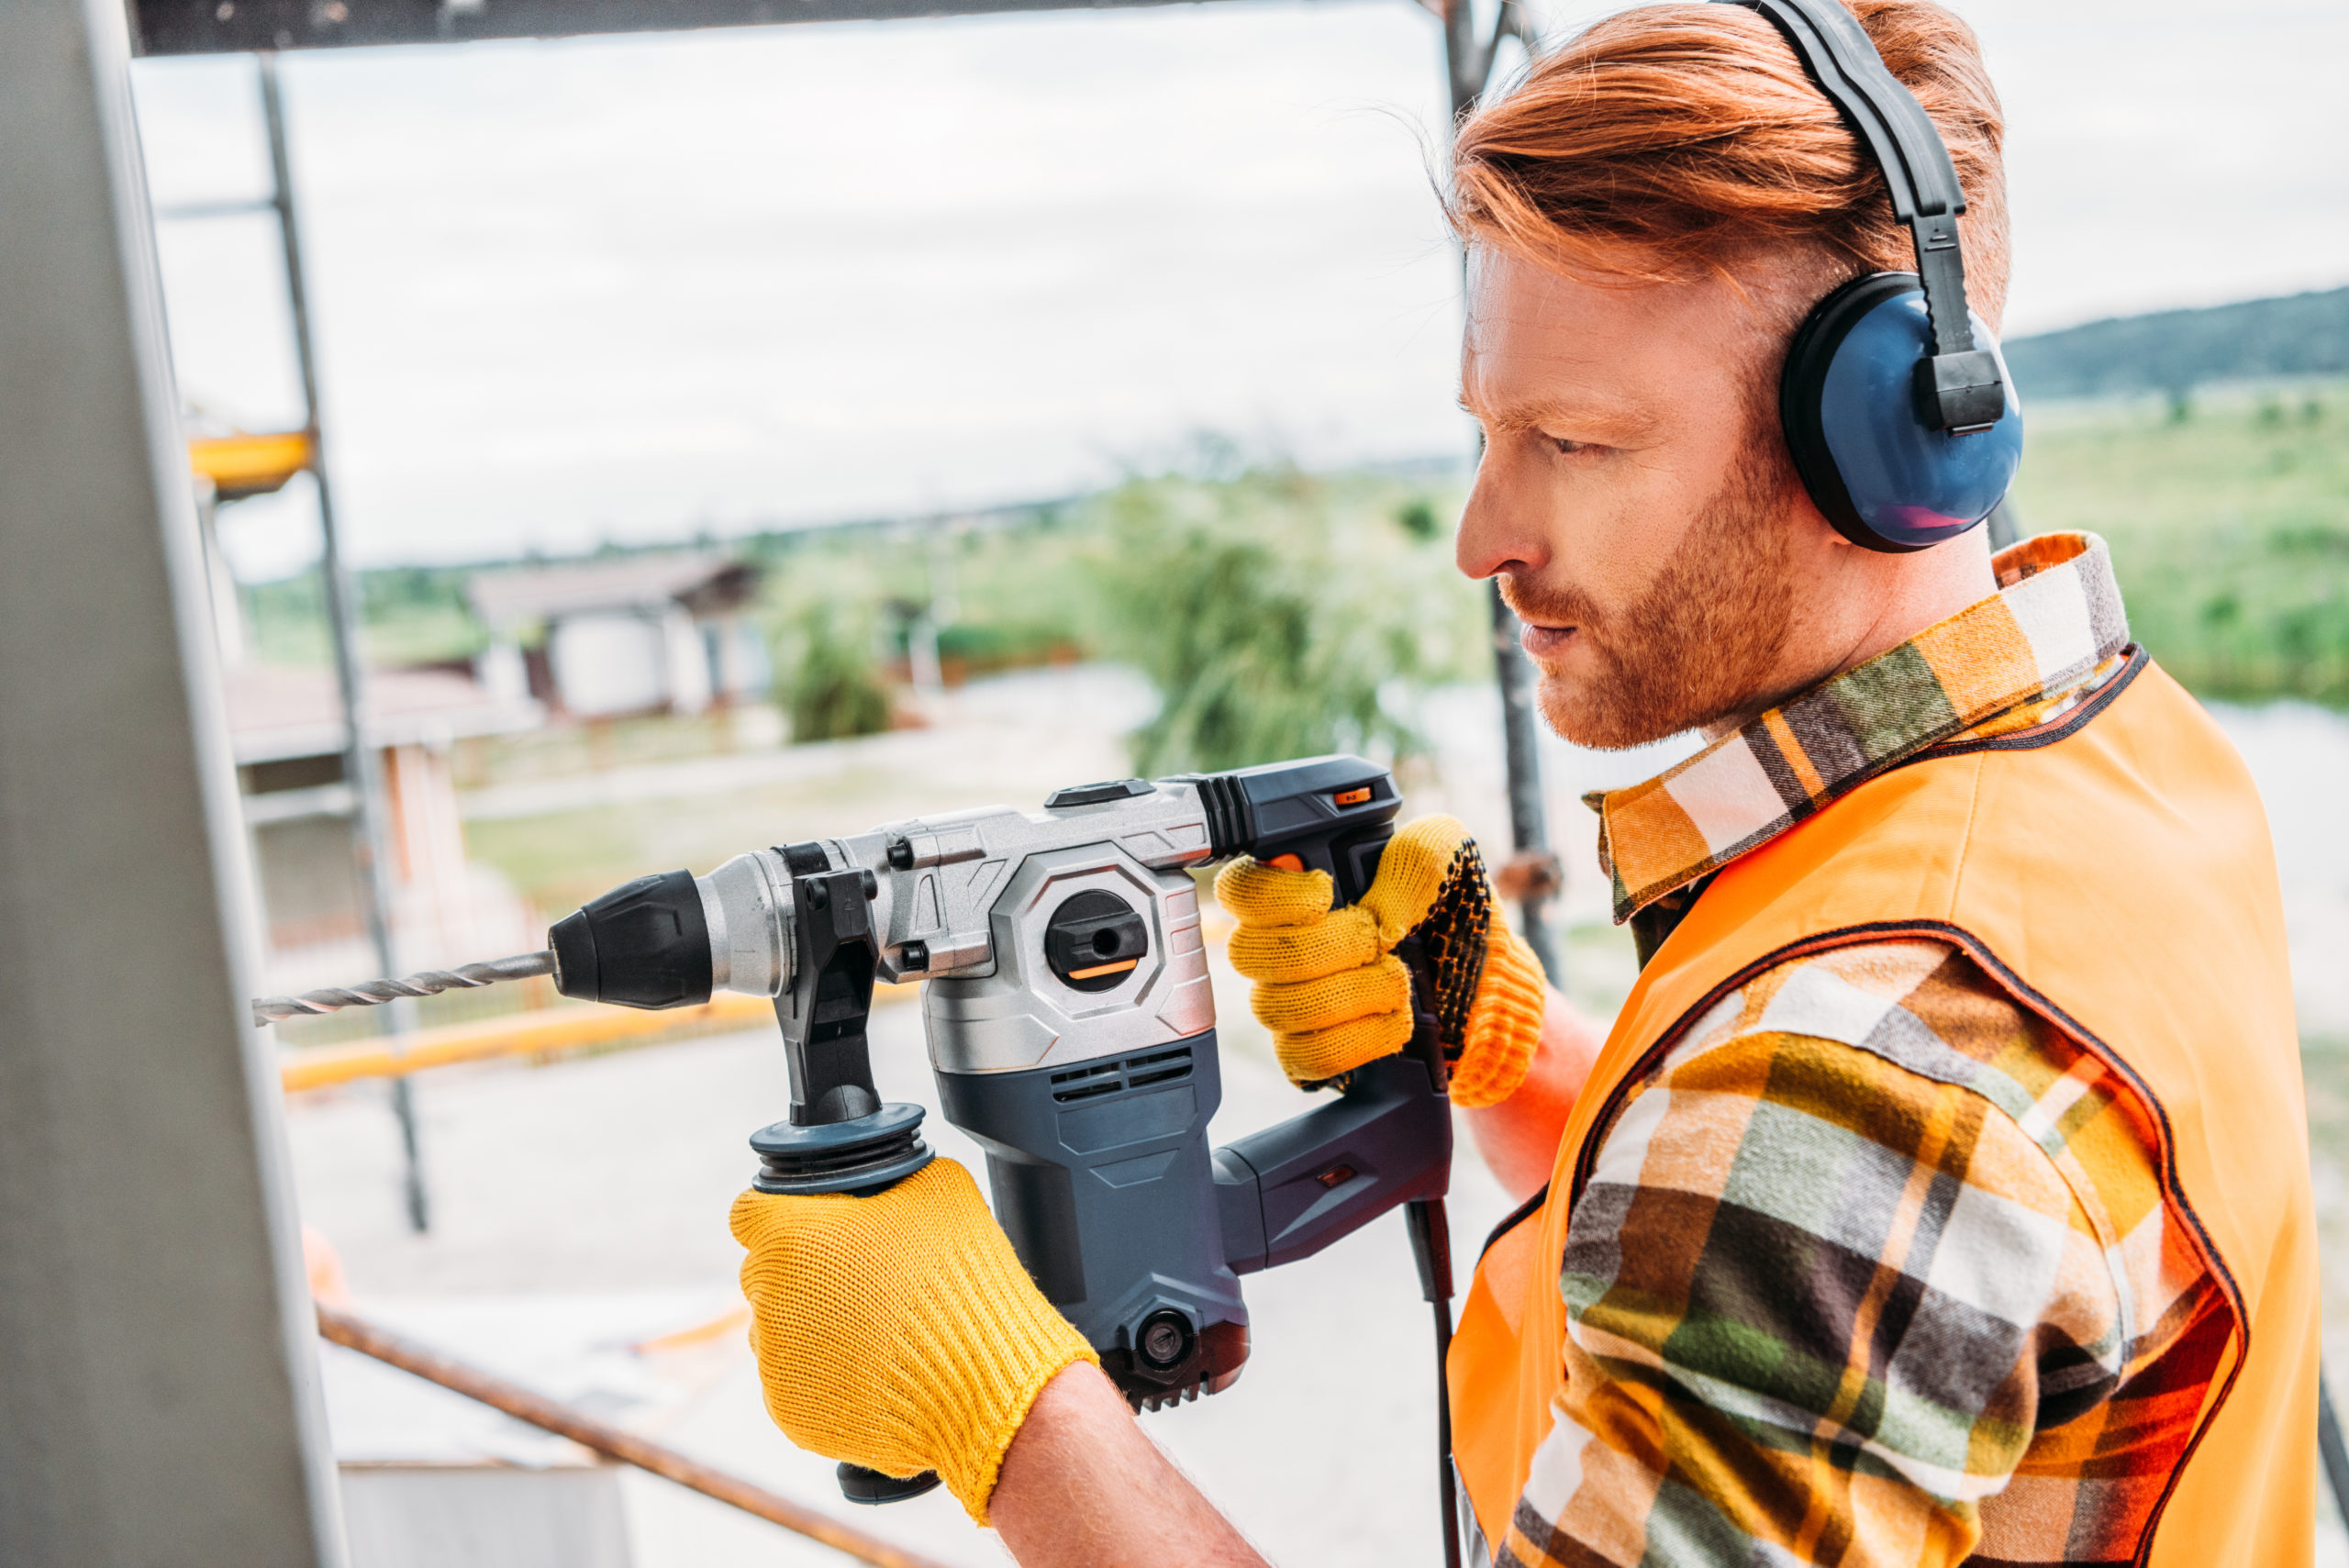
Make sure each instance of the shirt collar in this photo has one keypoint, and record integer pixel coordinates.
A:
(2055, 621)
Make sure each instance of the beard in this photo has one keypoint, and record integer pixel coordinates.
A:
(1703, 643)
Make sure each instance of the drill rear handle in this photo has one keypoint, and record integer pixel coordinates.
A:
(1095, 1138)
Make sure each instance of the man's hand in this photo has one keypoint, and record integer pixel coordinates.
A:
(1333, 993)
(899, 1331)
(1530, 874)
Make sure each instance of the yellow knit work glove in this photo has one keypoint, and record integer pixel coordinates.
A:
(1334, 995)
(899, 1331)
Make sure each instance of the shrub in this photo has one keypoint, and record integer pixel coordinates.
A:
(831, 686)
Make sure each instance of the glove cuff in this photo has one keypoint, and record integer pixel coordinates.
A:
(1504, 1023)
(981, 1386)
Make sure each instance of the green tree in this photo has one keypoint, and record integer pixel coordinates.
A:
(1273, 624)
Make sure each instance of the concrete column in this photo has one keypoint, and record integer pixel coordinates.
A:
(157, 1404)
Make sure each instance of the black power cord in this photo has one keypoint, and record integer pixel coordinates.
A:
(1432, 1249)
(2329, 1446)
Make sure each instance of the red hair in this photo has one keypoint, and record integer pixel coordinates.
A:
(1677, 140)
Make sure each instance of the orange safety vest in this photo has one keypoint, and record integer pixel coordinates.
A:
(2112, 871)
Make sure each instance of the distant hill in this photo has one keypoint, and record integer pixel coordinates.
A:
(2174, 350)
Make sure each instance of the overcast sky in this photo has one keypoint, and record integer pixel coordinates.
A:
(634, 288)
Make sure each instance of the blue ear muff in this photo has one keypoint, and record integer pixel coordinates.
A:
(1884, 477)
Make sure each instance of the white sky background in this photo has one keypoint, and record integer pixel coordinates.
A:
(633, 288)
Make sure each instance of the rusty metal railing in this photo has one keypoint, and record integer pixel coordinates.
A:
(614, 1442)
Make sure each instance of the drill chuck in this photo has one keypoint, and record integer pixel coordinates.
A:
(669, 940)
(643, 944)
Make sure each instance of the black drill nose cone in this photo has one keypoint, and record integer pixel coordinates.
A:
(644, 944)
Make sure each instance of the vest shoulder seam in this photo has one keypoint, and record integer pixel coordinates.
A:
(2060, 728)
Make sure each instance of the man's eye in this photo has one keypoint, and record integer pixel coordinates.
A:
(1566, 448)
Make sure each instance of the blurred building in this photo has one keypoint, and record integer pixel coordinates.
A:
(285, 726)
(642, 634)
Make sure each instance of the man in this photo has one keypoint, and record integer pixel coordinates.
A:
(1940, 1193)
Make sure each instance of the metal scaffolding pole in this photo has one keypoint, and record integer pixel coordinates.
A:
(1468, 64)
(363, 767)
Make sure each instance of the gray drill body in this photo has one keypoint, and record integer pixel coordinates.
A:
(1071, 1027)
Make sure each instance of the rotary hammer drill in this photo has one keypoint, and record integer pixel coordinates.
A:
(1071, 1027)
(1072, 1032)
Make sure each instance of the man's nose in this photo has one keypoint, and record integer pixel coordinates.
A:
(1499, 528)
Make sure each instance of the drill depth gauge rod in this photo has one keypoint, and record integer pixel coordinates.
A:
(1070, 1026)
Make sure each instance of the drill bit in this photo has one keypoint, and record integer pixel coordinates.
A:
(427, 983)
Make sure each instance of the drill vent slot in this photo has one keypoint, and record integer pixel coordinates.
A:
(1158, 1067)
(1084, 1083)
(1098, 1078)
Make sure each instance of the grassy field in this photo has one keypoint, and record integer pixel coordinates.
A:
(2229, 521)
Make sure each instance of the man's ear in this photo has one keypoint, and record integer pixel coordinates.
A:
(1809, 531)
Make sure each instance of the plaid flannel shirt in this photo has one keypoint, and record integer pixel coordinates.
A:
(1872, 1267)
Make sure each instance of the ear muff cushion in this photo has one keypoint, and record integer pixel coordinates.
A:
(1886, 479)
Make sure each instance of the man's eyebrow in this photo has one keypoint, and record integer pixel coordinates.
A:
(1624, 424)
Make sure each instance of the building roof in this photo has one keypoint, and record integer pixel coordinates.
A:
(276, 712)
(702, 581)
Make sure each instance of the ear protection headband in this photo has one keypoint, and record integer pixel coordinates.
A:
(1894, 398)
